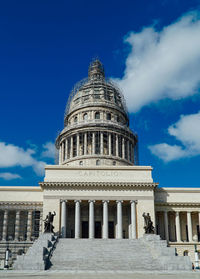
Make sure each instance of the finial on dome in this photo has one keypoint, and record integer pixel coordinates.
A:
(96, 70)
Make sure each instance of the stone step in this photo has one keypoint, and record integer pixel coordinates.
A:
(147, 253)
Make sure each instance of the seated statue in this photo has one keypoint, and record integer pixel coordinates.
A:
(48, 223)
(148, 224)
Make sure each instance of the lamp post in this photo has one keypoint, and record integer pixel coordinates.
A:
(196, 255)
(6, 266)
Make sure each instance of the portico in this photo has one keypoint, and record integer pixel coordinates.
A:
(106, 219)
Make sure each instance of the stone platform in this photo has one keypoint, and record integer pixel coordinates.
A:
(64, 274)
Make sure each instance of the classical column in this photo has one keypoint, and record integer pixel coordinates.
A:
(63, 151)
(41, 222)
(5, 225)
(60, 154)
(71, 147)
(93, 143)
(131, 153)
(178, 228)
(119, 219)
(92, 115)
(85, 144)
(117, 145)
(17, 224)
(77, 145)
(199, 222)
(63, 218)
(133, 219)
(101, 143)
(61, 146)
(105, 219)
(109, 144)
(66, 149)
(77, 218)
(91, 218)
(128, 155)
(123, 148)
(29, 225)
(189, 224)
(166, 225)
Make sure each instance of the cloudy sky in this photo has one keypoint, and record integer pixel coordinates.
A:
(150, 48)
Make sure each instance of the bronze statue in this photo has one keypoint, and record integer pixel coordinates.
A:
(148, 224)
(48, 223)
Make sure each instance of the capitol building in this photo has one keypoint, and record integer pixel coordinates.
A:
(98, 190)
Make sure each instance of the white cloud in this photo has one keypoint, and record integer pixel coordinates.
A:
(49, 151)
(9, 175)
(11, 156)
(187, 132)
(162, 64)
(167, 152)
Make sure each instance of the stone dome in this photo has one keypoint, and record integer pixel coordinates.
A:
(96, 124)
(95, 89)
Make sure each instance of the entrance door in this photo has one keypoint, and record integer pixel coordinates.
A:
(111, 229)
(84, 229)
(97, 229)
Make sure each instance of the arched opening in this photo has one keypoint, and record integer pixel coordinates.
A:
(185, 253)
(108, 116)
(97, 115)
(97, 162)
(85, 116)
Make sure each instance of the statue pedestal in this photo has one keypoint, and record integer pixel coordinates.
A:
(37, 256)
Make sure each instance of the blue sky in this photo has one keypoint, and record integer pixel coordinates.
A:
(150, 48)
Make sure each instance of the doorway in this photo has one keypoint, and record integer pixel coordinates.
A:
(84, 229)
(97, 229)
(111, 229)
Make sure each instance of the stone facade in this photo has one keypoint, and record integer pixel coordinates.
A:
(98, 190)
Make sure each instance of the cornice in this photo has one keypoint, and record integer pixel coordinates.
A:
(178, 204)
(97, 185)
(21, 205)
(113, 168)
(178, 190)
(21, 188)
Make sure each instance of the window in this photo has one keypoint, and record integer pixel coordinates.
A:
(118, 118)
(97, 115)
(97, 162)
(108, 117)
(75, 119)
(114, 163)
(81, 163)
(85, 116)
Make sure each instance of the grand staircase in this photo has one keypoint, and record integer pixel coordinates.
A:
(147, 253)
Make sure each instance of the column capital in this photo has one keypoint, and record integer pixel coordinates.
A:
(119, 201)
(77, 201)
(105, 201)
(91, 201)
(63, 201)
(133, 201)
